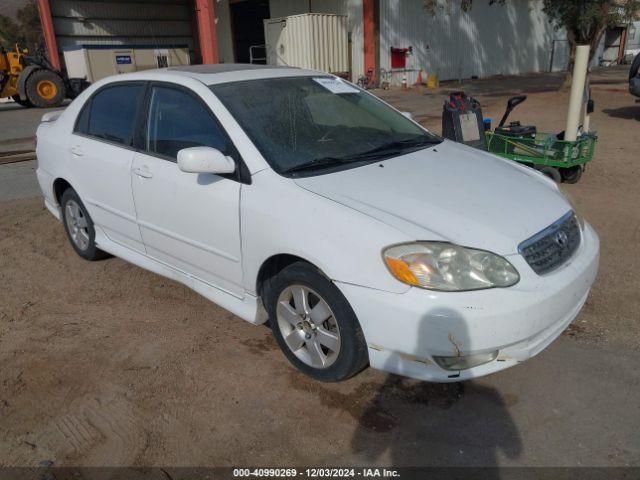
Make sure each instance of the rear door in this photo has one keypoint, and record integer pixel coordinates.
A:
(101, 151)
(189, 221)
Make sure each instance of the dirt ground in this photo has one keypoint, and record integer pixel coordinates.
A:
(107, 364)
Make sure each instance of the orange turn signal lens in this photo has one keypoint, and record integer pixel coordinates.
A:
(401, 271)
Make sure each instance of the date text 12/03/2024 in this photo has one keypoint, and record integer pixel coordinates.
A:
(316, 473)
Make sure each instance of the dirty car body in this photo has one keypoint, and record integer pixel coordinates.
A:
(360, 236)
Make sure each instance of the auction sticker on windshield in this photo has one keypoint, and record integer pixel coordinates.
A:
(335, 85)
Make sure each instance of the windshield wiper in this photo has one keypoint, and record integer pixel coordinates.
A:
(317, 164)
(400, 145)
(391, 147)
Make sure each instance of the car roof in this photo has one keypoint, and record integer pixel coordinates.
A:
(211, 74)
(209, 68)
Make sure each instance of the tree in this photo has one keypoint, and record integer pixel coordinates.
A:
(9, 32)
(585, 21)
(26, 30)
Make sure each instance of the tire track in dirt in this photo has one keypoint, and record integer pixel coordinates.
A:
(94, 431)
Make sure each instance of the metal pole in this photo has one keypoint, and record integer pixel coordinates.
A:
(49, 33)
(207, 31)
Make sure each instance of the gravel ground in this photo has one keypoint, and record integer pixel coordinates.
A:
(18, 180)
(107, 364)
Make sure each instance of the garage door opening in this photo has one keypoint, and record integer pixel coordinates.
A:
(248, 30)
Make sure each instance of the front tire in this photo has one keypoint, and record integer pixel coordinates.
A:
(572, 174)
(314, 324)
(45, 89)
(79, 227)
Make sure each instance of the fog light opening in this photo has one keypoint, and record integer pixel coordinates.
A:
(464, 362)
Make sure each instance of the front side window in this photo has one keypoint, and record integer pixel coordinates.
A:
(178, 120)
(111, 114)
(311, 123)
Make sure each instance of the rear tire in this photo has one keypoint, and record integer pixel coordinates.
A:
(24, 103)
(550, 172)
(572, 174)
(79, 227)
(321, 335)
(45, 89)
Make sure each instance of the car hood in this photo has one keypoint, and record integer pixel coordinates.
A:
(449, 192)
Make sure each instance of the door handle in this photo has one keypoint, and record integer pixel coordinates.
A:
(76, 150)
(143, 172)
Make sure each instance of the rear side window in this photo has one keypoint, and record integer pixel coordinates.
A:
(82, 124)
(178, 120)
(111, 114)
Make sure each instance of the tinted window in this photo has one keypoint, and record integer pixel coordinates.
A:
(112, 114)
(178, 120)
(82, 123)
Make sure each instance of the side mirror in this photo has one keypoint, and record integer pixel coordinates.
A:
(205, 160)
(408, 115)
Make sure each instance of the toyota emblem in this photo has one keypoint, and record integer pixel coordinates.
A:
(560, 238)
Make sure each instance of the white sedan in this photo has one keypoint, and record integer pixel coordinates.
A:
(293, 197)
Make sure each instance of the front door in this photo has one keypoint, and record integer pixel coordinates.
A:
(189, 221)
(101, 151)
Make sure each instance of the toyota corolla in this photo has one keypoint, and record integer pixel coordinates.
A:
(292, 197)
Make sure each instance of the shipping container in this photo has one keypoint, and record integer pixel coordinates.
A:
(314, 40)
(94, 62)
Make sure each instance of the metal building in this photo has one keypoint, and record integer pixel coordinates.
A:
(487, 40)
(394, 39)
(70, 24)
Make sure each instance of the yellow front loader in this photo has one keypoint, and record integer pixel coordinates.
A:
(30, 82)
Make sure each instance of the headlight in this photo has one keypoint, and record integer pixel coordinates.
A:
(447, 267)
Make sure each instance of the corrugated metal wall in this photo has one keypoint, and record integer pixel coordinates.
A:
(488, 40)
(284, 8)
(353, 10)
(223, 31)
(633, 38)
(119, 22)
(561, 51)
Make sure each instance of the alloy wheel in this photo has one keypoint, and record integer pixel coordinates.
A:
(77, 225)
(308, 326)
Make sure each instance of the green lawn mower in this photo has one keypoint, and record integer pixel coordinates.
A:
(551, 154)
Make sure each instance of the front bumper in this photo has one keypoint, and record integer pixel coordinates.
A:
(404, 331)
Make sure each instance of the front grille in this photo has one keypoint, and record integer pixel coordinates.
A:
(553, 246)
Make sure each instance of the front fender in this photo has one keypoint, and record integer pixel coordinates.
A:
(279, 217)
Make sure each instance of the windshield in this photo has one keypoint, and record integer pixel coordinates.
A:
(316, 123)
